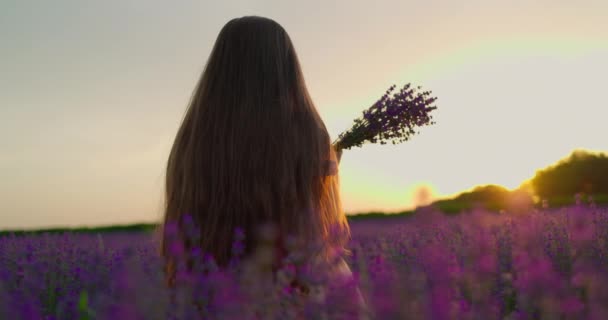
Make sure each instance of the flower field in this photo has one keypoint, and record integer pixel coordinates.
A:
(539, 264)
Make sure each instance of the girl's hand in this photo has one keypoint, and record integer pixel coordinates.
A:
(331, 165)
(338, 154)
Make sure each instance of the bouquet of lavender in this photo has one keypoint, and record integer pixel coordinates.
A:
(392, 117)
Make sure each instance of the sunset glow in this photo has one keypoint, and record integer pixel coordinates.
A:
(92, 96)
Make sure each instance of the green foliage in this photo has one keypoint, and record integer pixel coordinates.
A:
(489, 197)
(487, 193)
(379, 215)
(452, 206)
(141, 227)
(561, 201)
(581, 172)
(84, 312)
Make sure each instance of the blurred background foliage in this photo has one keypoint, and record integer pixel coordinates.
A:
(583, 173)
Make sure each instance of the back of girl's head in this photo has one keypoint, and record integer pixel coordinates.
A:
(252, 147)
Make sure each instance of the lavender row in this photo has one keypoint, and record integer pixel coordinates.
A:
(536, 265)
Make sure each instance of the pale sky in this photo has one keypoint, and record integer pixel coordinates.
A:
(92, 94)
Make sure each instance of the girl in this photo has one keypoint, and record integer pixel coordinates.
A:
(252, 150)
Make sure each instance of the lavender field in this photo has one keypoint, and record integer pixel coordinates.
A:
(537, 264)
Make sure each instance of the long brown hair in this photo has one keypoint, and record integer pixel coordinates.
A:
(252, 148)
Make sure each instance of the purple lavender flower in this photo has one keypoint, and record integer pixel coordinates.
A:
(476, 266)
(392, 118)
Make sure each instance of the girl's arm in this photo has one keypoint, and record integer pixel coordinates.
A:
(339, 154)
(332, 166)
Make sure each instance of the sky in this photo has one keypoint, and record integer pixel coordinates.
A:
(92, 94)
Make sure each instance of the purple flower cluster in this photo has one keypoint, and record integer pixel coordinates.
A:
(539, 264)
(394, 117)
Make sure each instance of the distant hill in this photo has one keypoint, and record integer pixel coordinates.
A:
(150, 227)
(488, 197)
(104, 229)
(582, 172)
